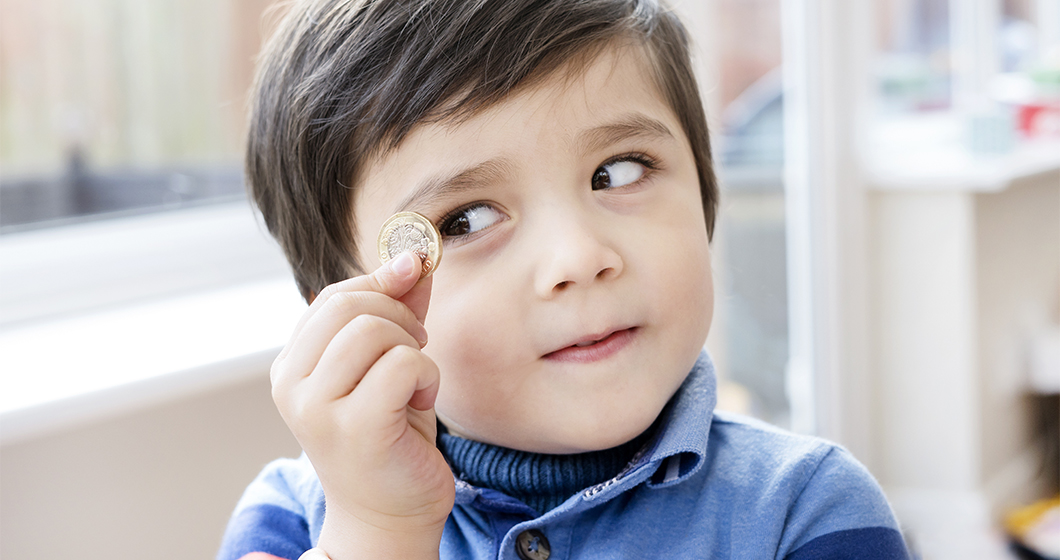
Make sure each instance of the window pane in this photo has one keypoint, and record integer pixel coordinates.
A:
(751, 273)
(1028, 64)
(913, 67)
(121, 106)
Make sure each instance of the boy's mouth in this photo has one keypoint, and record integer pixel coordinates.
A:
(593, 347)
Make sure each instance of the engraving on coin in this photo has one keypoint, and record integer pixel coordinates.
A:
(409, 231)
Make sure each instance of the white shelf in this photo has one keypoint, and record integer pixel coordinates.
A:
(928, 153)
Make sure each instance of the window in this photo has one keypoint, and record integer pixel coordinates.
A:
(122, 205)
(118, 108)
(742, 79)
(110, 111)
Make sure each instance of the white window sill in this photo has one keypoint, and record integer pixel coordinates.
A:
(103, 317)
(63, 372)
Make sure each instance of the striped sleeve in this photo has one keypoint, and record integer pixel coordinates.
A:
(868, 543)
(259, 556)
(275, 516)
(265, 529)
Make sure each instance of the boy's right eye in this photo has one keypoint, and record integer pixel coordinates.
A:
(469, 219)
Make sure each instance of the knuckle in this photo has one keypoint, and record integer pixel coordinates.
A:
(405, 357)
(277, 396)
(281, 397)
(329, 291)
(368, 325)
(282, 392)
(374, 283)
(298, 408)
(345, 301)
(352, 304)
(367, 303)
(381, 280)
(341, 305)
(277, 377)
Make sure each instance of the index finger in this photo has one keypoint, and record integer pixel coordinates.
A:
(394, 279)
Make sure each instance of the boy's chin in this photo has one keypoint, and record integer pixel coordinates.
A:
(608, 441)
(565, 440)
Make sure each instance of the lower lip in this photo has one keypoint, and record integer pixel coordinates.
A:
(594, 352)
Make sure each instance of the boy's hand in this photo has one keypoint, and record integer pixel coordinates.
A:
(358, 394)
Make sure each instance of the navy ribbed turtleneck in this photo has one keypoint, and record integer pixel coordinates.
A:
(539, 480)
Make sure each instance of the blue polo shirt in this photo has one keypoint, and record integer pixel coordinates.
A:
(708, 485)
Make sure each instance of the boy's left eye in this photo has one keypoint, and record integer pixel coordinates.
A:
(617, 174)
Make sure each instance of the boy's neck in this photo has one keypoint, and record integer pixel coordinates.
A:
(542, 481)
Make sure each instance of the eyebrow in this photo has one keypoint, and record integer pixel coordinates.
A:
(496, 169)
(445, 186)
(631, 126)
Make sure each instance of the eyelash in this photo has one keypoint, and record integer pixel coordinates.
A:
(649, 163)
(637, 157)
(452, 215)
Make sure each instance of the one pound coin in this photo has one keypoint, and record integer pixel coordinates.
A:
(409, 231)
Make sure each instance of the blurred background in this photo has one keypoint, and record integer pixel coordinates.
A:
(887, 261)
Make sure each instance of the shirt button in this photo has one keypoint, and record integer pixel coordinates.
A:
(532, 545)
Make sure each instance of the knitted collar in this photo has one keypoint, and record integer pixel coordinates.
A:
(539, 480)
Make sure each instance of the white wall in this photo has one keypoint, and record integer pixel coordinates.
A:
(1018, 299)
(159, 483)
(961, 282)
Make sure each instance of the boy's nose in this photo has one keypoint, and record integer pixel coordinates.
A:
(573, 256)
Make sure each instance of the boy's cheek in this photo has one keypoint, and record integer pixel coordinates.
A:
(676, 270)
(469, 338)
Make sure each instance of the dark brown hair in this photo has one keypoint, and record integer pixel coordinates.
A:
(342, 81)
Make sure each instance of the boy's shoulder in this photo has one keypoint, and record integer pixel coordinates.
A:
(826, 497)
(288, 483)
(738, 452)
(803, 468)
(749, 440)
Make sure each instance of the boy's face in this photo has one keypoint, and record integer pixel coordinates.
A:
(572, 213)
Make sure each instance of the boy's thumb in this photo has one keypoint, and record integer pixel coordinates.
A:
(400, 279)
(396, 277)
(419, 297)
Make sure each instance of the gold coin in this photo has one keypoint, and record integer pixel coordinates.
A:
(409, 231)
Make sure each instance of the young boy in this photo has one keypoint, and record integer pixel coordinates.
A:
(563, 407)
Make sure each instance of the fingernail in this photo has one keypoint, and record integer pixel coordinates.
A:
(422, 336)
(403, 264)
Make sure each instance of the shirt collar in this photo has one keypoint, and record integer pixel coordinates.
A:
(681, 444)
